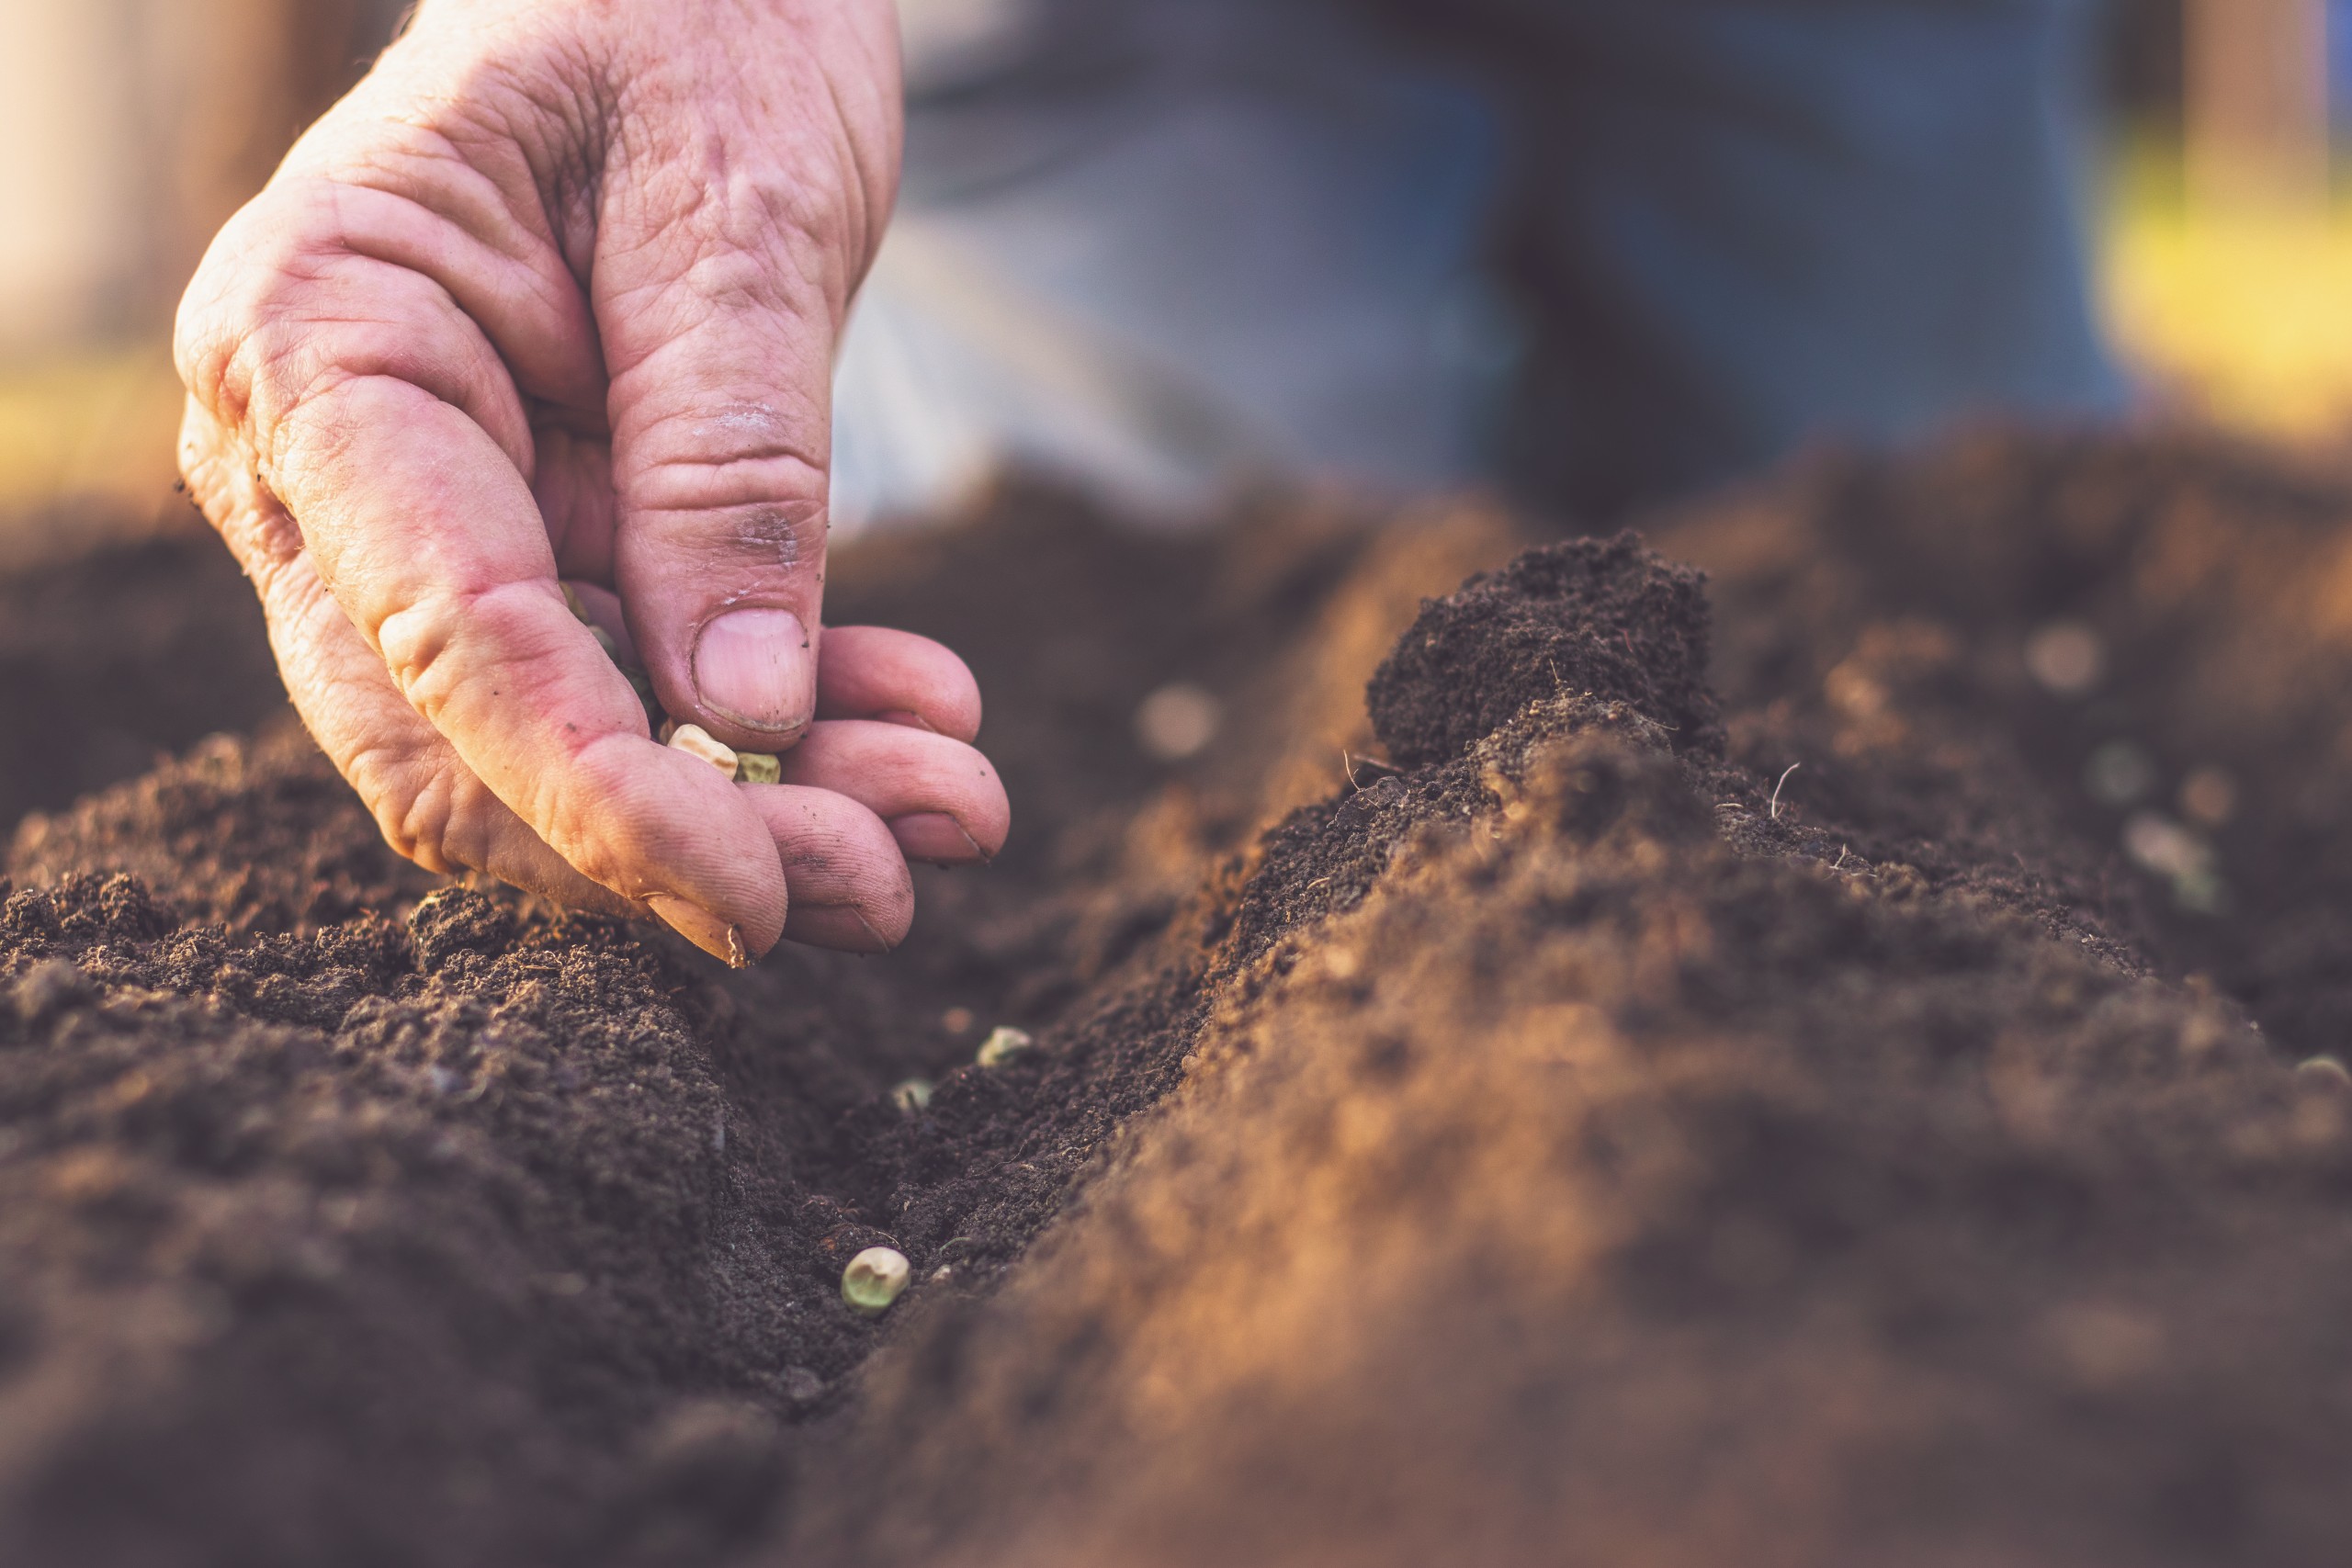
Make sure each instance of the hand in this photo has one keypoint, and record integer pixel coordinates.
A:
(553, 296)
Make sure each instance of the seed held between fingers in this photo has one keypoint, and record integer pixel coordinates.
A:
(873, 1280)
(758, 767)
(695, 741)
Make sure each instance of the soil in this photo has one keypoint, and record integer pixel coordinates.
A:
(1574, 1136)
(109, 661)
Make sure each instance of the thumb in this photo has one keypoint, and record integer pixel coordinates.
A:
(719, 317)
(720, 475)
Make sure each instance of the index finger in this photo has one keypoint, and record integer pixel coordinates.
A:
(427, 536)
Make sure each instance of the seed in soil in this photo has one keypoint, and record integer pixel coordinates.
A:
(913, 1095)
(695, 741)
(758, 767)
(1177, 722)
(1002, 1045)
(2067, 658)
(2158, 844)
(2120, 774)
(2208, 797)
(873, 1280)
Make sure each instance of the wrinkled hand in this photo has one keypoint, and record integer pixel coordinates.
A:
(553, 296)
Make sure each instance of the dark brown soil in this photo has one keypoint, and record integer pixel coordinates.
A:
(1577, 1139)
(109, 661)
(1575, 618)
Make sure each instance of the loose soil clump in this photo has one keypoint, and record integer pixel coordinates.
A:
(1575, 1137)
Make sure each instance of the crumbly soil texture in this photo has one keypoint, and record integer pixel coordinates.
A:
(1811, 1035)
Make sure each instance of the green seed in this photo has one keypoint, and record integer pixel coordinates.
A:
(913, 1095)
(1003, 1045)
(875, 1278)
(758, 767)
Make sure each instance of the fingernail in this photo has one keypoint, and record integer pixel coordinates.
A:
(756, 668)
(705, 929)
(878, 941)
(936, 837)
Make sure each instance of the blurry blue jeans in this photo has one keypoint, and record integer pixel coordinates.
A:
(1600, 251)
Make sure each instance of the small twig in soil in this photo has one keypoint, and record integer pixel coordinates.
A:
(1776, 789)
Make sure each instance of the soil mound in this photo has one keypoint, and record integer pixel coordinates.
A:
(1607, 619)
(1827, 1132)
(108, 660)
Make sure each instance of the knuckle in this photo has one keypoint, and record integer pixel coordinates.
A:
(416, 803)
(415, 641)
(736, 478)
(260, 278)
(422, 638)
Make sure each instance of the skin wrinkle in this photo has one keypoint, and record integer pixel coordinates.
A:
(326, 364)
(535, 311)
(591, 846)
(774, 430)
(546, 219)
(863, 185)
(493, 376)
(431, 169)
(575, 98)
(576, 507)
(413, 817)
(413, 656)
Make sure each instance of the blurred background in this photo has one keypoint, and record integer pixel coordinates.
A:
(131, 129)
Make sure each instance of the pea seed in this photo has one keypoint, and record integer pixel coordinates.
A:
(873, 1280)
(1003, 1045)
(695, 741)
(758, 767)
(913, 1095)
